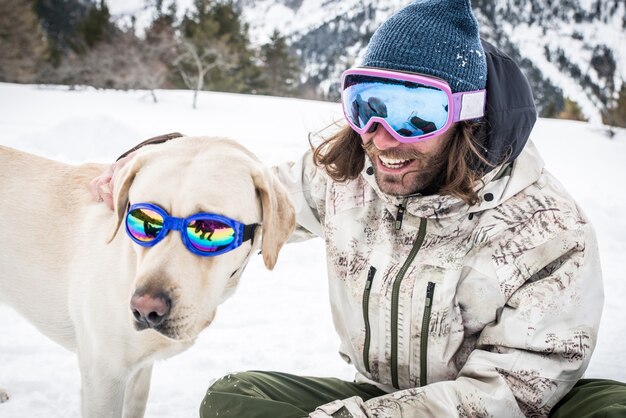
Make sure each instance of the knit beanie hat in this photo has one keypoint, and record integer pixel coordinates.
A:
(432, 37)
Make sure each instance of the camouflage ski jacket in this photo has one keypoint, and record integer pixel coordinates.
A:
(457, 311)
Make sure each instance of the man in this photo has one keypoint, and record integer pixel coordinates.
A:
(464, 280)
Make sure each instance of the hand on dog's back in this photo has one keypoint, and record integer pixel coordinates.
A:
(101, 187)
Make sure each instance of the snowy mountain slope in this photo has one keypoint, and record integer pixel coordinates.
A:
(572, 48)
(568, 49)
(277, 320)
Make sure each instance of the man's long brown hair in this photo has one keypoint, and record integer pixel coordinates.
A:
(343, 158)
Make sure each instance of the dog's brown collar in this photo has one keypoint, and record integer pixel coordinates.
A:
(154, 140)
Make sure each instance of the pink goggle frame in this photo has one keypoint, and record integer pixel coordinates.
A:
(411, 107)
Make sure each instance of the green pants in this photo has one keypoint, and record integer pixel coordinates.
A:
(280, 395)
(276, 395)
(593, 398)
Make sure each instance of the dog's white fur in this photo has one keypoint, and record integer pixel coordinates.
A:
(67, 265)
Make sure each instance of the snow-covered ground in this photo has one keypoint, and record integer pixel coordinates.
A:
(278, 320)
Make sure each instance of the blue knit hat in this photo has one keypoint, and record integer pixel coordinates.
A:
(432, 37)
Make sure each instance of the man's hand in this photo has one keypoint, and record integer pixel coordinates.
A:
(101, 187)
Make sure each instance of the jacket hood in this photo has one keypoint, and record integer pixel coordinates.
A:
(510, 112)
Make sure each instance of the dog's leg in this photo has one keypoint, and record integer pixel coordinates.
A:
(3, 395)
(137, 390)
(102, 385)
(102, 395)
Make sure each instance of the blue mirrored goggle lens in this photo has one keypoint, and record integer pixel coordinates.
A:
(411, 109)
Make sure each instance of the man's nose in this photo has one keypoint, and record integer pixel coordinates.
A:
(383, 140)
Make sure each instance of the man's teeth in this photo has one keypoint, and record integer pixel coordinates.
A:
(392, 163)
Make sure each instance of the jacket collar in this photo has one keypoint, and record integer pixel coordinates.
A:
(498, 185)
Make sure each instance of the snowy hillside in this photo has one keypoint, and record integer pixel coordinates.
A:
(569, 49)
(279, 320)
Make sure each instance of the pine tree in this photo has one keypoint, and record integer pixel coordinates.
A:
(96, 27)
(280, 67)
(246, 76)
(208, 47)
(615, 113)
(571, 111)
(164, 19)
(59, 20)
(22, 43)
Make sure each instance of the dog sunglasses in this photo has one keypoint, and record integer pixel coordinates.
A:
(204, 234)
(411, 107)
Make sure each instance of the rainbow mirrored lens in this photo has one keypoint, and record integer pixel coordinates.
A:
(411, 109)
(144, 224)
(209, 235)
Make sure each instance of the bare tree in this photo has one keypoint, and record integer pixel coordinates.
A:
(149, 62)
(281, 71)
(126, 62)
(194, 62)
(104, 66)
(154, 55)
(148, 73)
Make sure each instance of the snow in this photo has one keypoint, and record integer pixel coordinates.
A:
(578, 52)
(277, 320)
(264, 16)
(607, 31)
(531, 39)
(124, 11)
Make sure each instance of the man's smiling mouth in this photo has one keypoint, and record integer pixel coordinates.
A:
(394, 163)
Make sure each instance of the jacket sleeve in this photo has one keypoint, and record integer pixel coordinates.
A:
(306, 186)
(531, 356)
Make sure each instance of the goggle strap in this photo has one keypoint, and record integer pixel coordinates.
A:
(248, 233)
(469, 105)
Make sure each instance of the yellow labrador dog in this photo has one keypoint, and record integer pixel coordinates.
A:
(68, 265)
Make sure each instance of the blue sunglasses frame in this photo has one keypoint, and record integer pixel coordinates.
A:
(243, 232)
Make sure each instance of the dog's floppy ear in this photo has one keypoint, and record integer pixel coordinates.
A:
(123, 179)
(279, 216)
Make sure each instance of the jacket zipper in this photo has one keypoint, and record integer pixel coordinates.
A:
(430, 291)
(400, 213)
(366, 301)
(395, 296)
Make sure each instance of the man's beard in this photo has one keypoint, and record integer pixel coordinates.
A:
(426, 179)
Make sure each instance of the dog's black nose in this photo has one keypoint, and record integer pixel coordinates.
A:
(150, 310)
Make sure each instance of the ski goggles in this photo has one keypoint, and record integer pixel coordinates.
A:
(412, 107)
(204, 234)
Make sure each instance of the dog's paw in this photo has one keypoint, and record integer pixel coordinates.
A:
(3, 396)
